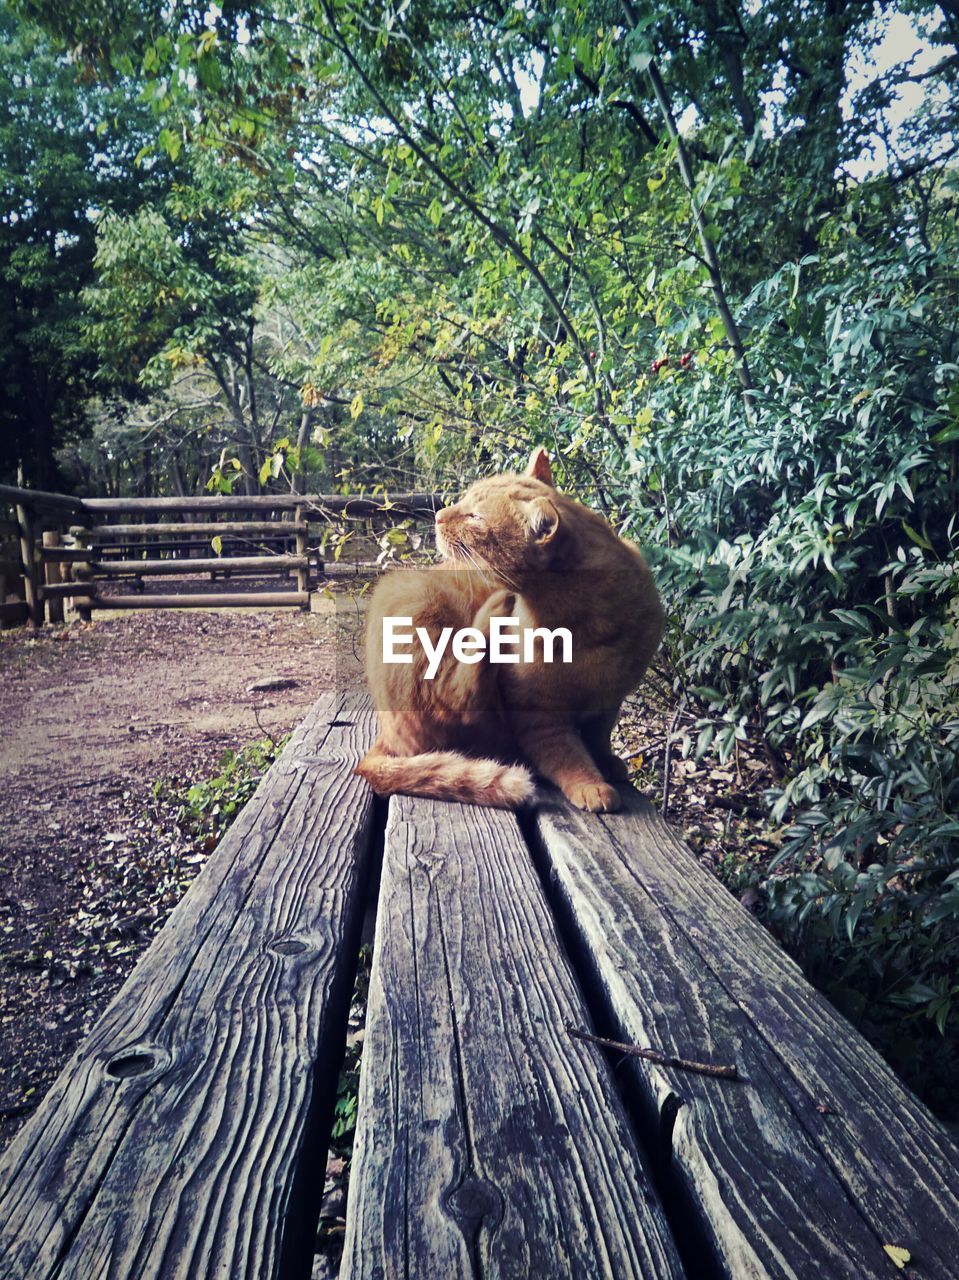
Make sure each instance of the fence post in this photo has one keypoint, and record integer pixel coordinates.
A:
(303, 573)
(52, 576)
(31, 578)
(82, 570)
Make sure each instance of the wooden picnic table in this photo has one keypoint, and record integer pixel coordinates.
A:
(187, 1137)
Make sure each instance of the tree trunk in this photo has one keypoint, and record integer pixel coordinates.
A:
(302, 435)
(176, 470)
(710, 259)
(39, 463)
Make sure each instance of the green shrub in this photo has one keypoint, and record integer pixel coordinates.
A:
(809, 553)
(208, 807)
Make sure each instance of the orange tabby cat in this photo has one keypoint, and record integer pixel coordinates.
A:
(514, 547)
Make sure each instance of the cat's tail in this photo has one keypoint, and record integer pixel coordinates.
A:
(447, 775)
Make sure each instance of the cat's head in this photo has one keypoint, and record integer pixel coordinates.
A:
(508, 526)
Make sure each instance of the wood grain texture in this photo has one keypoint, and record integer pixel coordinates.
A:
(52, 577)
(821, 1156)
(242, 528)
(172, 1144)
(64, 591)
(319, 503)
(31, 577)
(34, 498)
(489, 1143)
(205, 564)
(206, 600)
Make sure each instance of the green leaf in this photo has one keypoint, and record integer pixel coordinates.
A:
(917, 538)
(858, 621)
(820, 709)
(852, 916)
(208, 69)
(703, 741)
(170, 142)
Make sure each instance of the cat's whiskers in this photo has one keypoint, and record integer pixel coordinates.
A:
(459, 553)
(470, 557)
(455, 550)
(480, 565)
(486, 571)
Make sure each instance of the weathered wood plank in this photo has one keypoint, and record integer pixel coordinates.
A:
(820, 1156)
(34, 498)
(66, 590)
(51, 578)
(206, 564)
(169, 1147)
(206, 600)
(31, 576)
(319, 503)
(245, 528)
(488, 1143)
(302, 550)
(261, 545)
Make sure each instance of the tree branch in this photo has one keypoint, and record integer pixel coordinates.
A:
(733, 335)
(499, 233)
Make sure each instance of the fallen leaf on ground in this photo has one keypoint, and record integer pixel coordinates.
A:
(899, 1255)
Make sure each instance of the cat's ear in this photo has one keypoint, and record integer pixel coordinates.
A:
(538, 466)
(543, 520)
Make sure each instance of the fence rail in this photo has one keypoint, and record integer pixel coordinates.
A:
(356, 505)
(55, 547)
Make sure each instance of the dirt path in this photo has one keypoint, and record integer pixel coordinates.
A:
(91, 716)
(133, 692)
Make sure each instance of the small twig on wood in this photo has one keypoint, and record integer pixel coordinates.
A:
(262, 728)
(662, 1059)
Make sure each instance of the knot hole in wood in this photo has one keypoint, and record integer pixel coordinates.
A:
(138, 1060)
(288, 946)
(475, 1201)
(668, 1111)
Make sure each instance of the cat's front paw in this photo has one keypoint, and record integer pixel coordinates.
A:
(501, 604)
(597, 797)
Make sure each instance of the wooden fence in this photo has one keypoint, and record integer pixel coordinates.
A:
(55, 548)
